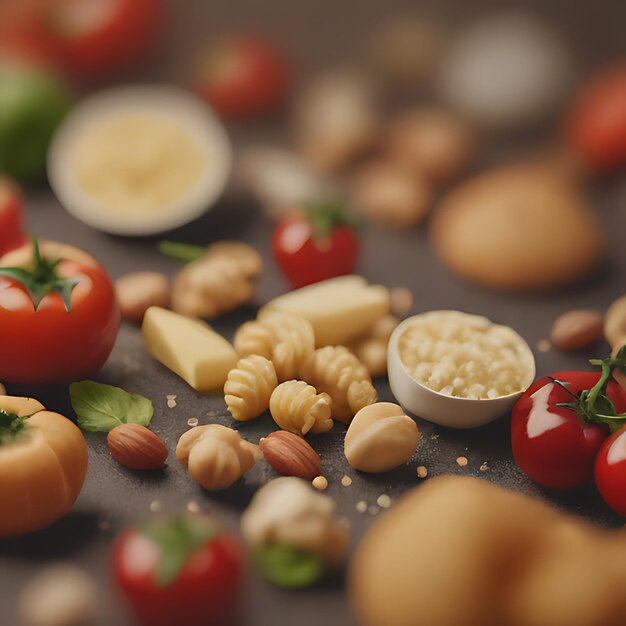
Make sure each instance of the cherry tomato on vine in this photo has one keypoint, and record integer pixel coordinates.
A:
(11, 234)
(243, 77)
(596, 127)
(610, 471)
(560, 422)
(185, 572)
(315, 245)
(59, 316)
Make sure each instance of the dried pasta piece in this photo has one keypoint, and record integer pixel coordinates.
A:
(371, 348)
(283, 338)
(298, 408)
(216, 456)
(337, 372)
(220, 281)
(249, 386)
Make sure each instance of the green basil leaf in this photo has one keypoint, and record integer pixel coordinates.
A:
(289, 567)
(101, 408)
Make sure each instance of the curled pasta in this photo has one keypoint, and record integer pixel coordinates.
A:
(249, 386)
(298, 408)
(283, 338)
(336, 371)
(220, 281)
(371, 348)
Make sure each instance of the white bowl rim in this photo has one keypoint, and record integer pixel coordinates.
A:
(404, 324)
(170, 101)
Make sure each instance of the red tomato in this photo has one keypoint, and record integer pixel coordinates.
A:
(243, 77)
(183, 573)
(597, 124)
(610, 471)
(96, 38)
(11, 233)
(48, 344)
(556, 446)
(314, 247)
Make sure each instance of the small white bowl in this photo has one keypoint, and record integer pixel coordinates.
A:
(171, 104)
(439, 408)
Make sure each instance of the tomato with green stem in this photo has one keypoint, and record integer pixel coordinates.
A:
(561, 421)
(59, 316)
(185, 571)
(315, 245)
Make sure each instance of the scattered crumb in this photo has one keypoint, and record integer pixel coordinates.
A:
(422, 472)
(383, 501)
(155, 506)
(193, 507)
(104, 525)
(543, 345)
(361, 506)
(211, 414)
(346, 481)
(484, 467)
(401, 300)
(462, 461)
(373, 510)
(320, 482)
(434, 437)
(192, 421)
(171, 401)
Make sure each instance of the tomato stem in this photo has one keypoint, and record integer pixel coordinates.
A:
(11, 426)
(324, 217)
(42, 279)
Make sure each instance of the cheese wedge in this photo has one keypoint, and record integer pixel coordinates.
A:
(339, 309)
(188, 347)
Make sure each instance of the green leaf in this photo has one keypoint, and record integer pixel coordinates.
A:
(288, 567)
(101, 408)
(177, 540)
(181, 251)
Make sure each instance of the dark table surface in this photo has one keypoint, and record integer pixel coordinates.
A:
(114, 497)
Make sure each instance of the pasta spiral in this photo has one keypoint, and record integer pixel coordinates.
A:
(297, 407)
(249, 386)
(283, 338)
(336, 371)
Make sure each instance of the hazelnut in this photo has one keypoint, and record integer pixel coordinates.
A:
(288, 511)
(380, 438)
(615, 322)
(138, 291)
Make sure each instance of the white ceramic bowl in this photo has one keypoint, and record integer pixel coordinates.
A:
(175, 106)
(440, 408)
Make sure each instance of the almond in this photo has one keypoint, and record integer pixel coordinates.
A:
(136, 447)
(137, 292)
(577, 329)
(291, 455)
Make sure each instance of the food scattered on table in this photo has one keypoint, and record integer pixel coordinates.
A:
(578, 329)
(184, 570)
(43, 462)
(189, 347)
(482, 228)
(460, 530)
(380, 438)
(320, 483)
(136, 447)
(59, 594)
(291, 455)
(615, 323)
(294, 533)
(249, 386)
(216, 456)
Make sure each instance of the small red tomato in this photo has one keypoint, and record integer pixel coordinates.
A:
(243, 77)
(558, 425)
(610, 471)
(11, 234)
(59, 316)
(184, 572)
(596, 127)
(96, 38)
(315, 245)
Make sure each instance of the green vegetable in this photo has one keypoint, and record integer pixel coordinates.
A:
(178, 540)
(289, 567)
(181, 251)
(101, 408)
(11, 426)
(32, 103)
